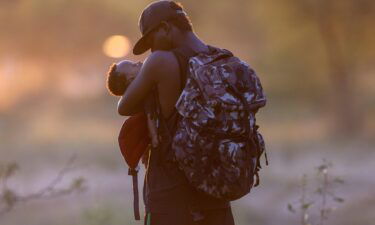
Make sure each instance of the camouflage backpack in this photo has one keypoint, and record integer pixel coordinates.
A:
(216, 143)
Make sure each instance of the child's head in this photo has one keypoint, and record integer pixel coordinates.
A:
(120, 74)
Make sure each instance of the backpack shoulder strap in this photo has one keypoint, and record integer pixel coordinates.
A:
(183, 55)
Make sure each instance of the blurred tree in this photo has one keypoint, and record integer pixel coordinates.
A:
(307, 52)
(343, 28)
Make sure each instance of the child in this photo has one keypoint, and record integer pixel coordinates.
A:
(119, 77)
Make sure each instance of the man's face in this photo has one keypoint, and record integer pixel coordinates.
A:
(161, 38)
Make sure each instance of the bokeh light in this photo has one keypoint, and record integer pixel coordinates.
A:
(116, 46)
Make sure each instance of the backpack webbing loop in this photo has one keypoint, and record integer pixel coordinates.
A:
(134, 173)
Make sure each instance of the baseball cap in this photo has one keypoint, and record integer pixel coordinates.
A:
(151, 17)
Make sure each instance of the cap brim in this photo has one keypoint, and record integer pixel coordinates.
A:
(141, 46)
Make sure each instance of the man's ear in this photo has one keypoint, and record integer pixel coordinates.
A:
(165, 26)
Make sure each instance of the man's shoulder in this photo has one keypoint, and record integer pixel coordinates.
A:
(162, 58)
(162, 65)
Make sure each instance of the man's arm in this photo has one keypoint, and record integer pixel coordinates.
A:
(153, 70)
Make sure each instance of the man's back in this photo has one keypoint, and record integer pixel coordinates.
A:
(168, 85)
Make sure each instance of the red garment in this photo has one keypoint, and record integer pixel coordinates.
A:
(134, 139)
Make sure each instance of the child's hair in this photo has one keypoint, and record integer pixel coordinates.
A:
(116, 84)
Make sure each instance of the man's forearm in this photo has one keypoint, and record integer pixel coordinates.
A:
(132, 111)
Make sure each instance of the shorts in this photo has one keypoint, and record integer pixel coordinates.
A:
(186, 217)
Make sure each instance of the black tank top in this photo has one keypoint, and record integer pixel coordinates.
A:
(165, 186)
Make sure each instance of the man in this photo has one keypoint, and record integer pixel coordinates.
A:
(169, 199)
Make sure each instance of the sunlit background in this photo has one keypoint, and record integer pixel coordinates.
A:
(315, 58)
(116, 46)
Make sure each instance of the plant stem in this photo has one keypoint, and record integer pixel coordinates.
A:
(324, 197)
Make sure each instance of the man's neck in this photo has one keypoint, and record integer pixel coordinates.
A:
(191, 40)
